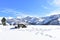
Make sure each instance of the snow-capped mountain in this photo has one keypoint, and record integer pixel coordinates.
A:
(28, 19)
(49, 20)
(52, 20)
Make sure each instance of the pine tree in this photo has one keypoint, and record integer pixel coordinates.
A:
(3, 21)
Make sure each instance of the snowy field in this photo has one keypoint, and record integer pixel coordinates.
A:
(32, 32)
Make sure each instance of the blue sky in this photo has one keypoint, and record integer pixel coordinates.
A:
(38, 8)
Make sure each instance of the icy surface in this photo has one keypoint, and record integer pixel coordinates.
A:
(32, 32)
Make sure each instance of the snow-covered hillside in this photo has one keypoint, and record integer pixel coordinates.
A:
(32, 32)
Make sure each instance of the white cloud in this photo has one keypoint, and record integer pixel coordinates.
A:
(53, 13)
(10, 11)
(15, 12)
(45, 7)
(55, 3)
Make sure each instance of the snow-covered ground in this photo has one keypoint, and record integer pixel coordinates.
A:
(32, 32)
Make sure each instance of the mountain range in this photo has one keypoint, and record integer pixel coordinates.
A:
(48, 20)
